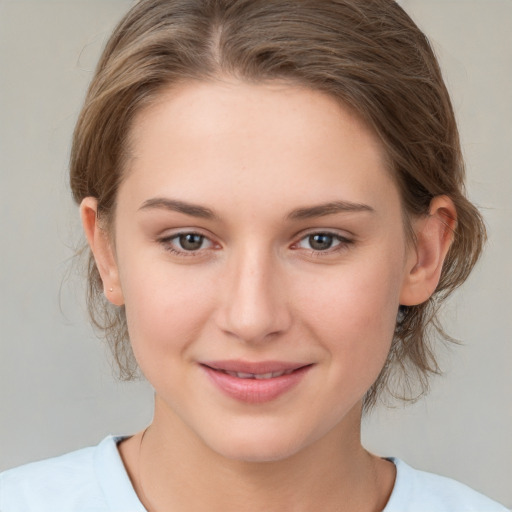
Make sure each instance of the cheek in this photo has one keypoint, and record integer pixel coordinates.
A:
(353, 313)
(165, 305)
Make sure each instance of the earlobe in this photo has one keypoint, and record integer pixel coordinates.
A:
(434, 235)
(101, 247)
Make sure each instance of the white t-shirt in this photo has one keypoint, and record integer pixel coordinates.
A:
(94, 480)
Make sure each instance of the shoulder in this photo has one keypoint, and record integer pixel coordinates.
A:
(58, 482)
(84, 480)
(420, 491)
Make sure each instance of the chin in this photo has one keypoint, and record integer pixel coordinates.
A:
(260, 445)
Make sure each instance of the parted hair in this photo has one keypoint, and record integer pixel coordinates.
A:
(367, 54)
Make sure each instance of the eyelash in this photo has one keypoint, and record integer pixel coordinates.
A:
(342, 244)
(168, 240)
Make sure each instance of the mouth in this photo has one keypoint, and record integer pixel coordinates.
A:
(259, 376)
(255, 382)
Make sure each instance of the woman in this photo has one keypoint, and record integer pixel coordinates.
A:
(272, 192)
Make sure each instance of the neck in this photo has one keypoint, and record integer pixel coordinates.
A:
(174, 470)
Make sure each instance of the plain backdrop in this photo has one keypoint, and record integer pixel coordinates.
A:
(57, 392)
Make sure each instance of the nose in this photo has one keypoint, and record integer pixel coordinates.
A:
(253, 305)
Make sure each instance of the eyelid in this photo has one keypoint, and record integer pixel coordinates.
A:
(343, 240)
(167, 240)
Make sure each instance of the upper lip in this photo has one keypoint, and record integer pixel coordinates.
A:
(260, 367)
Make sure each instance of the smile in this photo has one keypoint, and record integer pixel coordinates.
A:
(255, 383)
(260, 376)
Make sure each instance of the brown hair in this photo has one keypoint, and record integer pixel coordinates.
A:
(366, 53)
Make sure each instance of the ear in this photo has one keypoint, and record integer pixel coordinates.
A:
(101, 247)
(434, 235)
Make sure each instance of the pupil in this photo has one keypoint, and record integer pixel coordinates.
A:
(320, 242)
(191, 241)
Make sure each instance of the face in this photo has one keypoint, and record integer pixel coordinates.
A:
(261, 257)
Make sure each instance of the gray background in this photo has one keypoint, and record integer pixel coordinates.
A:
(56, 388)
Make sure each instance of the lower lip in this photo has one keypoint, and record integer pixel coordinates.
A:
(255, 391)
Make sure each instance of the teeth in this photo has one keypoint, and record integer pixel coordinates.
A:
(258, 376)
(234, 374)
(264, 376)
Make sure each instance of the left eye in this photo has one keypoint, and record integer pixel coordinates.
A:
(321, 241)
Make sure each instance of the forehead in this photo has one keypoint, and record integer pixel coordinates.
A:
(246, 142)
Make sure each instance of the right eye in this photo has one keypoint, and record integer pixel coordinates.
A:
(186, 243)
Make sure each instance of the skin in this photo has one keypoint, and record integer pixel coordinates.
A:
(257, 290)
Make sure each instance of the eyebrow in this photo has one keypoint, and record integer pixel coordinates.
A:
(330, 208)
(202, 212)
(174, 205)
